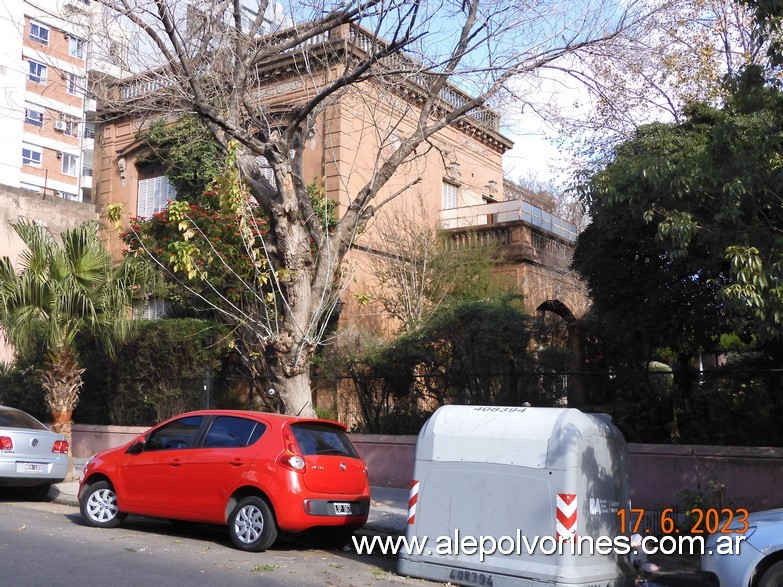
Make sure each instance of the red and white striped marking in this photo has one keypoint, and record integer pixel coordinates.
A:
(566, 516)
(414, 498)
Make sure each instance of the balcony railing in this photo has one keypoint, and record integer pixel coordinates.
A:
(513, 210)
(499, 237)
(151, 82)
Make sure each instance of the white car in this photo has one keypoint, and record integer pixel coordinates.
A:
(758, 562)
(31, 455)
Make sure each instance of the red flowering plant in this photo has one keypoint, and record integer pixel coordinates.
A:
(213, 249)
(214, 252)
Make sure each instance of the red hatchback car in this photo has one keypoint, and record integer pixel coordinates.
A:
(258, 473)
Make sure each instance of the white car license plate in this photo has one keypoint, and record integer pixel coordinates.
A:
(342, 509)
(29, 467)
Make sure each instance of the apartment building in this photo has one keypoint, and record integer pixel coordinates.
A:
(44, 108)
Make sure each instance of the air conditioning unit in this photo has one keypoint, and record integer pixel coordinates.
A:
(60, 125)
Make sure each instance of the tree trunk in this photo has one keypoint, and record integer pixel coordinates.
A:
(62, 422)
(61, 379)
(293, 391)
(577, 393)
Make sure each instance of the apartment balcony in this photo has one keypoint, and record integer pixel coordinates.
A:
(90, 107)
(86, 180)
(88, 142)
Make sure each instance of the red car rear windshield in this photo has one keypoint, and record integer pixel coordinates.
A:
(322, 439)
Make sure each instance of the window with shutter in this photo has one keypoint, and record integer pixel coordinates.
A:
(450, 192)
(153, 195)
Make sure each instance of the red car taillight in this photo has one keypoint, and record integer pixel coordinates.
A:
(294, 462)
(6, 443)
(60, 446)
(291, 457)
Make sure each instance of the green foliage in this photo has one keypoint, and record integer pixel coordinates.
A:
(62, 289)
(466, 273)
(188, 153)
(214, 247)
(20, 388)
(769, 26)
(161, 373)
(711, 497)
(325, 208)
(684, 244)
(476, 352)
(660, 379)
(326, 413)
(204, 247)
(470, 352)
(643, 398)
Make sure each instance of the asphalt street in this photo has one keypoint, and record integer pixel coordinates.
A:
(141, 551)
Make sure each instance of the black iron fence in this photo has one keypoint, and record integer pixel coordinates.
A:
(715, 407)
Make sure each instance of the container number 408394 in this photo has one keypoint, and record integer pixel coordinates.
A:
(471, 577)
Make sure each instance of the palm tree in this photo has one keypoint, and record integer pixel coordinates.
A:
(61, 289)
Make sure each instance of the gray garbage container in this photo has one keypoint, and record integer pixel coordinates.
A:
(511, 496)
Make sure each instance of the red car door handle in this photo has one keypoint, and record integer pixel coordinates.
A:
(175, 463)
(236, 462)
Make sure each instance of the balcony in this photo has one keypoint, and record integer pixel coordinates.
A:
(509, 211)
(519, 231)
(86, 177)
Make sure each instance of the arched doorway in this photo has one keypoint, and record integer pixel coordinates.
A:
(562, 329)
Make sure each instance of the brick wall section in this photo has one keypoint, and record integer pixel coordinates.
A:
(753, 476)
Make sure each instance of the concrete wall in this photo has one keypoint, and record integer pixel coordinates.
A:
(753, 476)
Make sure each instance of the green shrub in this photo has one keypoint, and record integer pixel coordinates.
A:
(160, 372)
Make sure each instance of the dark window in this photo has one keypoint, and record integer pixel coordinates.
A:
(34, 117)
(39, 33)
(180, 433)
(323, 439)
(233, 432)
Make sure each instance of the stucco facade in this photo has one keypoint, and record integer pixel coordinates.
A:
(350, 137)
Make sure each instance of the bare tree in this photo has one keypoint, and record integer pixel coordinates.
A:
(681, 54)
(443, 63)
(403, 272)
(418, 270)
(548, 196)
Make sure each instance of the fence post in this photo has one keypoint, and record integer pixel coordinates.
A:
(205, 398)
